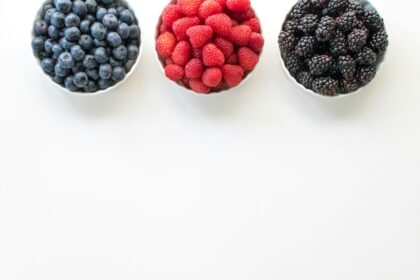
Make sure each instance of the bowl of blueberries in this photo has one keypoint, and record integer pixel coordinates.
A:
(86, 47)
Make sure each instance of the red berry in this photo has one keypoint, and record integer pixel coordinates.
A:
(182, 53)
(165, 44)
(254, 23)
(238, 5)
(163, 28)
(232, 74)
(174, 72)
(221, 3)
(213, 56)
(242, 16)
(248, 59)
(198, 86)
(197, 53)
(170, 14)
(189, 7)
(194, 69)
(256, 42)
(240, 34)
(181, 26)
(212, 77)
(225, 46)
(233, 59)
(199, 35)
(209, 8)
(221, 24)
(169, 61)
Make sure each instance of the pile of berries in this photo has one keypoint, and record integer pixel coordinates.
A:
(209, 45)
(333, 46)
(87, 45)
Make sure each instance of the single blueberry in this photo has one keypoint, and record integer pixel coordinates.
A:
(101, 55)
(112, 11)
(48, 65)
(93, 74)
(72, 34)
(77, 52)
(47, 7)
(118, 74)
(113, 39)
(127, 17)
(58, 79)
(41, 27)
(85, 26)
(63, 5)
(48, 45)
(58, 19)
(114, 63)
(80, 8)
(133, 52)
(53, 32)
(38, 44)
(57, 49)
(129, 64)
(66, 60)
(80, 79)
(91, 6)
(120, 53)
(134, 32)
(48, 14)
(123, 30)
(69, 84)
(86, 42)
(92, 86)
(72, 20)
(60, 71)
(66, 44)
(100, 13)
(105, 71)
(104, 84)
(110, 21)
(99, 43)
(89, 62)
(98, 31)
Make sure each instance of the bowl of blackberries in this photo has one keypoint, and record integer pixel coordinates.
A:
(86, 47)
(333, 47)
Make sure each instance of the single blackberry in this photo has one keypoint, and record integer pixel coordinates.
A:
(293, 64)
(357, 40)
(335, 7)
(367, 74)
(348, 21)
(366, 57)
(349, 85)
(287, 41)
(300, 9)
(319, 64)
(318, 5)
(326, 29)
(379, 42)
(325, 86)
(347, 66)
(308, 23)
(290, 26)
(356, 6)
(305, 79)
(338, 45)
(373, 20)
(305, 46)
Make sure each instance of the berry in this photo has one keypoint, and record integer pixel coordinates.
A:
(69, 84)
(325, 86)
(220, 23)
(101, 55)
(338, 45)
(291, 26)
(72, 20)
(233, 59)
(91, 6)
(104, 84)
(194, 69)
(113, 39)
(232, 74)
(80, 8)
(66, 44)
(225, 46)
(72, 34)
(118, 74)
(254, 24)
(367, 74)
(89, 62)
(58, 19)
(37, 44)
(86, 42)
(80, 79)
(306, 79)
(100, 13)
(91, 87)
(189, 7)
(60, 71)
(105, 71)
(319, 64)
(182, 53)
(132, 52)
(209, 8)
(120, 53)
(357, 39)
(326, 29)
(366, 57)
(379, 42)
(77, 53)
(308, 23)
(134, 32)
(41, 27)
(170, 14)
(212, 77)
(85, 26)
(57, 50)
(123, 30)
(198, 86)
(357, 7)
(48, 65)
(350, 85)
(66, 60)
(373, 20)
(165, 44)
(348, 21)
(238, 5)
(110, 21)
(337, 6)
(199, 35)
(256, 42)
(305, 47)
(213, 56)
(126, 16)
(347, 66)
(286, 41)
(93, 74)
(98, 31)
(63, 5)
(240, 35)
(48, 14)
(248, 59)
(293, 63)
(181, 26)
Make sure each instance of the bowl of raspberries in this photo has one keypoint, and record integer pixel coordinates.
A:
(333, 47)
(208, 46)
(86, 47)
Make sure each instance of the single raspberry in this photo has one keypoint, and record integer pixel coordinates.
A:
(209, 8)
(248, 59)
(174, 72)
(242, 16)
(254, 23)
(240, 34)
(225, 46)
(212, 77)
(165, 44)
(221, 24)
(233, 59)
(238, 5)
(256, 42)
(199, 35)
(182, 53)
(163, 28)
(232, 74)
(189, 7)
(181, 26)
(194, 69)
(213, 56)
(170, 14)
(198, 86)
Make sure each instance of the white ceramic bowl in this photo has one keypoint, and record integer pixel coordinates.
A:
(379, 65)
(99, 92)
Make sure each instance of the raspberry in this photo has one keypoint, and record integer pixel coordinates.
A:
(248, 59)
(194, 69)
(163, 28)
(199, 35)
(209, 8)
(174, 72)
(240, 34)
(169, 61)
(242, 16)
(232, 74)
(238, 5)
(165, 44)
(198, 86)
(197, 53)
(170, 15)
(189, 7)
(225, 46)
(182, 53)
(212, 77)
(254, 24)
(181, 26)
(233, 59)
(221, 3)
(256, 42)
(213, 56)
(220, 23)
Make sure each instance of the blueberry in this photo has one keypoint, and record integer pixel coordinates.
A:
(98, 31)
(120, 9)
(66, 60)
(127, 16)
(66, 44)
(133, 52)
(57, 49)
(38, 44)
(112, 11)
(72, 34)
(43, 54)
(78, 67)
(60, 71)
(92, 86)
(104, 84)
(93, 74)
(129, 64)
(48, 14)
(134, 32)
(58, 20)
(107, 2)
(47, 7)
(100, 13)
(113, 39)
(118, 74)
(110, 21)
(80, 79)
(48, 65)
(89, 62)
(69, 84)
(77, 53)
(53, 32)
(72, 20)
(99, 43)
(91, 6)
(85, 26)
(90, 18)
(80, 8)
(86, 42)
(123, 30)
(41, 27)
(48, 45)
(63, 5)
(105, 71)
(101, 55)
(58, 79)
(114, 63)
(120, 53)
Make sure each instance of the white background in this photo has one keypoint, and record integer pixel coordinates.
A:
(264, 183)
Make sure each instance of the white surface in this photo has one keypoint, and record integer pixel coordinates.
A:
(264, 183)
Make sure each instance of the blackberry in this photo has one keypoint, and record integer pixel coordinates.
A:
(300, 9)
(367, 74)
(308, 23)
(305, 47)
(348, 21)
(319, 64)
(366, 57)
(326, 29)
(290, 26)
(325, 86)
(305, 79)
(335, 7)
(334, 71)
(357, 7)
(338, 45)
(293, 64)
(349, 85)
(287, 41)
(373, 20)
(357, 40)
(318, 5)
(379, 42)
(347, 66)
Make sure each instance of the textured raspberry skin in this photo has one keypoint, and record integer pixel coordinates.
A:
(240, 34)
(238, 5)
(182, 53)
(248, 59)
(213, 56)
(170, 15)
(174, 72)
(233, 59)
(256, 42)
(254, 24)
(163, 28)
(165, 44)
(209, 8)
(197, 53)
(220, 23)
(232, 74)
(199, 35)
(212, 77)
(181, 26)
(222, 3)
(194, 69)
(198, 86)
(242, 16)
(189, 7)
(225, 46)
